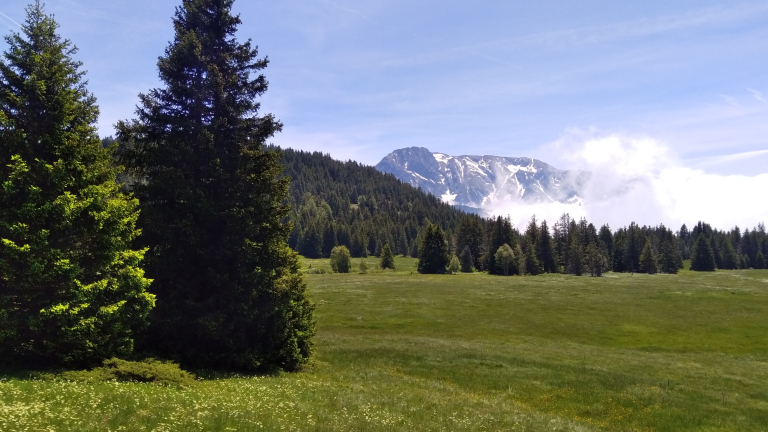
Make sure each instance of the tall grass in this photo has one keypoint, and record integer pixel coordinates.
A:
(402, 351)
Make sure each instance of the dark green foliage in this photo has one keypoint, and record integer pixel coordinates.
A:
(669, 257)
(702, 256)
(729, 258)
(470, 234)
(340, 260)
(387, 259)
(500, 232)
(145, 371)
(595, 260)
(71, 291)
(532, 266)
(745, 263)
(545, 251)
(229, 290)
(433, 252)
(648, 259)
(467, 262)
(576, 257)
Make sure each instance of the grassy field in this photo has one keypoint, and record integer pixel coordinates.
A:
(402, 351)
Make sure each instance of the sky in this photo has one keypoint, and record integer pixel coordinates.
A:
(548, 79)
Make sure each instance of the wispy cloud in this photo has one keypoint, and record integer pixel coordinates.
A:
(757, 95)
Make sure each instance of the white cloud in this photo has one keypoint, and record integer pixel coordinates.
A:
(757, 95)
(639, 179)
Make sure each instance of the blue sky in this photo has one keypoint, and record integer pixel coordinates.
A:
(358, 79)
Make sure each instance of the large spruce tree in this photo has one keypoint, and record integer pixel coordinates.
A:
(71, 291)
(229, 294)
(702, 256)
(433, 250)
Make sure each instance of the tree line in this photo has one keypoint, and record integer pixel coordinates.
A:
(347, 204)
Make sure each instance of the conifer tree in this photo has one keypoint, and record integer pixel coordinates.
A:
(387, 258)
(595, 260)
(71, 291)
(229, 290)
(544, 250)
(467, 262)
(669, 259)
(702, 256)
(433, 252)
(759, 260)
(648, 259)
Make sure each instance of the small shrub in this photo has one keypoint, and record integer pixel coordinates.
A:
(363, 266)
(315, 270)
(145, 371)
(454, 266)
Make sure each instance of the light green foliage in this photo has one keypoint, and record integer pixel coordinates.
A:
(454, 266)
(387, 259)
(340, 260)
(505, 260)
(71, 290)
(145, 371)
(363, 268)
(401, 352)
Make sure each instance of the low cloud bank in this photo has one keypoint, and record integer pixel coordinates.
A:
(639, 179)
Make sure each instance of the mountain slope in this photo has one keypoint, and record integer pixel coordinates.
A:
(480, 181)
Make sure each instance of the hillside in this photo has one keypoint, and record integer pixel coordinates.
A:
(350, 204)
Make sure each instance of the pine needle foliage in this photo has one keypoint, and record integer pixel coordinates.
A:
(702, 255)
(71, 291)
(387, 258)
(229, 290)
(433, 251)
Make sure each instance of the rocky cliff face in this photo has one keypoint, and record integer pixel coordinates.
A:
(482, 181)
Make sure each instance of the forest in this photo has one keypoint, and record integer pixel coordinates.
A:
(336, 203)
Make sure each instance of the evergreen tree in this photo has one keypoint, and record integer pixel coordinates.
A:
(576, 257)
(544, 250)
(702, 257)
(229, 289)
(595, 260)
(470, 234)
(454, 266)
(730, 259)
(433, 252)
(329, 238)
(532, 265)
(387, 259)
(71, 291)
(648, 259)
(467, 262)
(745, 264)
(340, 260)
(759, 261)
(669, 259)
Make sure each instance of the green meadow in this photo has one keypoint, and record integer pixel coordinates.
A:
(399, 351)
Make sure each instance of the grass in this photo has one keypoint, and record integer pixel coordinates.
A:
(402, 351)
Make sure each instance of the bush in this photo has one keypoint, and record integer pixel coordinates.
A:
(454, 266)
(340, 261)
(145, 371)
(363, 266)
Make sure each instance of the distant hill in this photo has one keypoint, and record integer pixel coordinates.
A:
(480, 181)
(356, 205)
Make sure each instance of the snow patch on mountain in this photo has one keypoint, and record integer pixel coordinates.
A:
(484, 181)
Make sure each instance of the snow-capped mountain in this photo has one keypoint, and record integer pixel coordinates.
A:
(482, 181)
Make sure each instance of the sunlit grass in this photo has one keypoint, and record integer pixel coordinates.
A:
(403, 351)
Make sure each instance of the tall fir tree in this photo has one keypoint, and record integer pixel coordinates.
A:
(229, 290)
(467, 261)
(544, 250)
(71, 290)
(387, 258)
(433, 252)
(702, 256)
(648, 259)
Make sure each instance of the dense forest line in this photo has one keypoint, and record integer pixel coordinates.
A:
(353, 205)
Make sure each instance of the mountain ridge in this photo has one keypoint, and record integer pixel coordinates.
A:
(479, 181)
